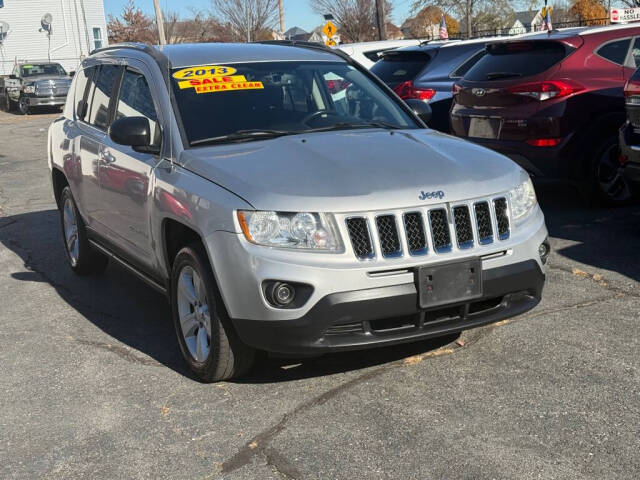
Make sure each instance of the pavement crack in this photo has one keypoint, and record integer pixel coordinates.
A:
(259, 444)
(282, 466)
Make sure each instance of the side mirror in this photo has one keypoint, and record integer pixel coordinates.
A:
(420, 108)
(134, 132)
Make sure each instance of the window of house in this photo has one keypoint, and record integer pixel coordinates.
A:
(97, 37)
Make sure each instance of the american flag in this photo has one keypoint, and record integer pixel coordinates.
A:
(444, 34)
(546, 22)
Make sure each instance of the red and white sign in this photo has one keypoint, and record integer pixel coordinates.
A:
(624, 15)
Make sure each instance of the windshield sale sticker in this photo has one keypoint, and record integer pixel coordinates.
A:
(214, 78)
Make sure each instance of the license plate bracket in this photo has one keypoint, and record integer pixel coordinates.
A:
(484, 127)
(449, 283)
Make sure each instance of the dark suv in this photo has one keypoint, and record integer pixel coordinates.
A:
(629, 159)
(428, 71)
(553, 102)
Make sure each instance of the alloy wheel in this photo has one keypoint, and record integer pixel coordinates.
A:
(71, 231)
(194, 314)
(23, 104)
(610, 178)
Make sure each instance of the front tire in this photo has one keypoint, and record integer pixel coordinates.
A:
(23, 106)
(81, 257)
(207, 339)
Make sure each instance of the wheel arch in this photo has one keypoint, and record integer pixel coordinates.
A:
(59, 182)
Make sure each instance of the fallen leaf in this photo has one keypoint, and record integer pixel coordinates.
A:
(580, 273)
(253, 445)
(597, 277)
(164, 410)
(460, 342)
(501, 322)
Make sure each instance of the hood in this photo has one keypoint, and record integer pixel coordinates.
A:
(357, 170)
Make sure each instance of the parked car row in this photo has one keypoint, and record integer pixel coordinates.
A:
(553, 102)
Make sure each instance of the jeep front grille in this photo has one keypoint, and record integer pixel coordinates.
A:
(388, 235)
(414, 229)
(502, 218)
(360, 238)
(419, 231)
(440, 232)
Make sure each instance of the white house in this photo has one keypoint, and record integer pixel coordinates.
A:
(77, 28)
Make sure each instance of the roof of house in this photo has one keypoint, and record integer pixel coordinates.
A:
(524, 17)
(293, 31)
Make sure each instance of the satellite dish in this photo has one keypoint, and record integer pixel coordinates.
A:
(46, 20)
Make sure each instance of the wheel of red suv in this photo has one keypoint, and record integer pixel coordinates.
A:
(207, 339)
(23, 106)
(82, 258)
(610, 184)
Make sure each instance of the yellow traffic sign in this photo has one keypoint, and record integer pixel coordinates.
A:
(331, 43)
(329, 29)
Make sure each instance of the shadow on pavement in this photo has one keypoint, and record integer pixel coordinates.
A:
(132, 313)
(606, 238)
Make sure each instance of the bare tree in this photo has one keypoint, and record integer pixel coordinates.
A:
(356, 19)
(198, 28)
(132, 26)
(475, 15)
(249, 19)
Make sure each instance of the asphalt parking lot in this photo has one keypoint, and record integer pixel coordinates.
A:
(92, 384)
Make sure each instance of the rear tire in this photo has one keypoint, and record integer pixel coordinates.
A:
(207, 339)
(81, 256)
(609, 185)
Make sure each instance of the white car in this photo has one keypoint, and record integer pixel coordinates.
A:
(366, 53)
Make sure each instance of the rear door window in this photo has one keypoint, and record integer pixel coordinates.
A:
(517, 59)
(82, 81)
(396, 68)
(466, 65)
(615, 52)
(100, 95)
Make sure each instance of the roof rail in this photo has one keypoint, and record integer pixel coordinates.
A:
(143, 47)
(310, 45)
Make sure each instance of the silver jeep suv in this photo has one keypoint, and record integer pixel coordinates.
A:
(286, 200)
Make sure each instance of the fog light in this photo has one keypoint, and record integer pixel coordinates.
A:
(282, 294)
(543, 250)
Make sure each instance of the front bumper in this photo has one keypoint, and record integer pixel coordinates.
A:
(390, 315)
(339, 284)
(34, 101)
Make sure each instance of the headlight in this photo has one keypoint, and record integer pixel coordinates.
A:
(314, 231)
(523, 200)
(30, 89)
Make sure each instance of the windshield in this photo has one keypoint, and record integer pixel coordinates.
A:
(280, 98)
(42, 69)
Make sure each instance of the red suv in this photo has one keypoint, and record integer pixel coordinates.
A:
(553, 102)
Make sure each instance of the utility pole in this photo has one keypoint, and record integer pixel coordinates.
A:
(380, 20)
(160, 22)
(281, 6)
(246, 7)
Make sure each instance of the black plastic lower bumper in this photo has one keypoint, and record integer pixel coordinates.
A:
(390, 315)
(630, 148)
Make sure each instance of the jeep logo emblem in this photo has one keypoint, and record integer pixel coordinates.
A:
(430, 195)
(479, 92)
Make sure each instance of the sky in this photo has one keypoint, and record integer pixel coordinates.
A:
(297, 13)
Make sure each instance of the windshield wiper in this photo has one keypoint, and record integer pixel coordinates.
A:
(348, 125)
(497, 75)
(242, 136)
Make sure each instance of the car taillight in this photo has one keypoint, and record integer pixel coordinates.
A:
(547, 90)
(407, 90)
(632, 91)
(544, 142)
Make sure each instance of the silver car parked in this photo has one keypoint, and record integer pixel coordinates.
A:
(286, 200)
